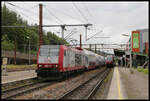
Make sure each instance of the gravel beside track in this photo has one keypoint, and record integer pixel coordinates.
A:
(88, 88)
(103, 90)
(56, 90)
(12, 85)
(11, 93)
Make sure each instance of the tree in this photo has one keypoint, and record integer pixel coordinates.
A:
(11, 18)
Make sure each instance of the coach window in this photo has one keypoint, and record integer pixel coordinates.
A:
(64, 52)
(86, 59)
(77, 59)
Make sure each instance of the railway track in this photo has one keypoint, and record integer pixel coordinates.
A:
(17, 91)
(39, 85)
(59, 88)
(11, 85)
(87, 89)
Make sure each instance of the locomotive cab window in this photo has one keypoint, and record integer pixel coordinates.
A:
(49, 54)
(43, 52)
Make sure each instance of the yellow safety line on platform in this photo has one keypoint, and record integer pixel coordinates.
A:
(118, 85)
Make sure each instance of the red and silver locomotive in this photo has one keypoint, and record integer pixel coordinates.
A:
(110, 61)
(54, 61)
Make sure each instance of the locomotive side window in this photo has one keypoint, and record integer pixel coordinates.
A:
(86, 59)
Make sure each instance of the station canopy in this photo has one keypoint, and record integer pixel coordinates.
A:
(119, 53)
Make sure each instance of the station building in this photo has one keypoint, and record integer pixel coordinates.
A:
(143, 53)
(144, 41)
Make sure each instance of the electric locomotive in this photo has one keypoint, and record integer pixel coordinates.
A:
(110, 61)
(56, 61)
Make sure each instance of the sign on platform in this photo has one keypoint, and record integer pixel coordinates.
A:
(4, 61)
(135, 41)
(4, 67)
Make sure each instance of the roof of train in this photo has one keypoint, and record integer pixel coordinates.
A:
(50, 46)
(78, 48)
(88, 52)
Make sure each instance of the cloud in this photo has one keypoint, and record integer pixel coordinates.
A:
(114, 18)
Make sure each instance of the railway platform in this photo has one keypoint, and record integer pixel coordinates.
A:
(127, 85)
(18, 75)
(116, 90)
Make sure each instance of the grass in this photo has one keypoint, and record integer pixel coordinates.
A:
(20, 66)
(144, 70)
(109, 76)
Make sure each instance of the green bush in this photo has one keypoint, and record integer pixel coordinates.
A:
(139, 69)
(7, 45)
(21, 66)
(34, 52)
(145, 71)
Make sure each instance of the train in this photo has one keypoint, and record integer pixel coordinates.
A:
(110, 62)
(55, 61)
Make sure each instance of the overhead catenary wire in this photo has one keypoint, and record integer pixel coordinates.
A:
(68, 34)
(81, 14)
(88, 12)
(23, 8)
(95, 34)
(90, 15)
(86, 9)
(49, 17)
(80, 11)
(73, 32)
(54, 15)
(21, 13)
(64, 13)
(34, 19)
(102, 37)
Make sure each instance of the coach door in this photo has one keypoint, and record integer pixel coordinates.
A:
(66, 58)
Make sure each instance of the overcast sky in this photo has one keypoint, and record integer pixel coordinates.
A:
(112, 18)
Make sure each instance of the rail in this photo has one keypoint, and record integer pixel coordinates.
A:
(17, 91)
(101, 74)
